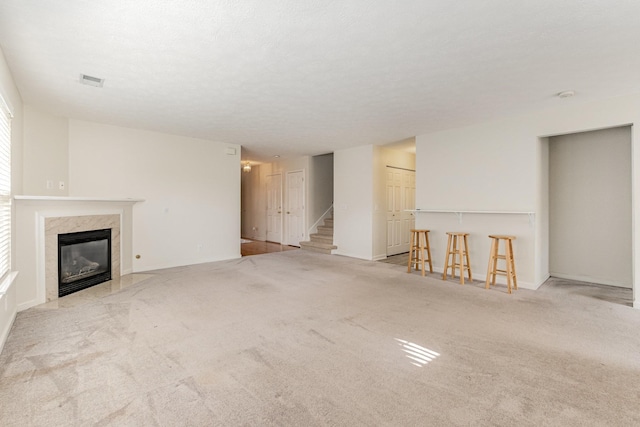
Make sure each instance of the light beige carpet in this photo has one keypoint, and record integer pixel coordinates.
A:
(304, 339)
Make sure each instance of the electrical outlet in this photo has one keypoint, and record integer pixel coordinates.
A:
(61, 185)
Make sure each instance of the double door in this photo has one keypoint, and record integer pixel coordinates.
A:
(286, 212)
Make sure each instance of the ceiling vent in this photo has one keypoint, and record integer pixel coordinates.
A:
(91, 81)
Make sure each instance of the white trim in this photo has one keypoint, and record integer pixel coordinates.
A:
(77, 199)
(473, 212)
(459, 213)
(7, 281)
(6, 105)
(8, 307)
(182, 264)
(588, 279)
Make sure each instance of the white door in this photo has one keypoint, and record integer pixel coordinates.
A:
(401, 189)
(274, 208)
(294, 208)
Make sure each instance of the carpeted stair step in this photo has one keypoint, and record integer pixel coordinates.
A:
(321, 238)
(324, 230)
(322, 241)
(323, 248)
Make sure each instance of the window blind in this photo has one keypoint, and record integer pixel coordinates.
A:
(5, 189)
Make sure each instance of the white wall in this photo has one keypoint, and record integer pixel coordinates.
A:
(191, 188)
(498, 166)
(360, 199)
(46, 154)
(590, 206)
(353, 202)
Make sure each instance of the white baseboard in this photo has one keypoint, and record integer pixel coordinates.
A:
(184, 263)
(590, 279)
(5, 332)
(28, 304)
(348, 255)
(501, 280)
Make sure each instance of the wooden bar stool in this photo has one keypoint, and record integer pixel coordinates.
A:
(419, 244)
(457, 245)
(510, 267)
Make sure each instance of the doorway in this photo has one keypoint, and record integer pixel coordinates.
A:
(590, 209)
(400, 195)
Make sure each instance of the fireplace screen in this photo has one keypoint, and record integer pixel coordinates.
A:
(84, 260)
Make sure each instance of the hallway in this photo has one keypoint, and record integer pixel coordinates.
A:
(255, 247)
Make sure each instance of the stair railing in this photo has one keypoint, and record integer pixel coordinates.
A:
(314, 228)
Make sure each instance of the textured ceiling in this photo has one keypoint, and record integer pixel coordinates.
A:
(295, 77)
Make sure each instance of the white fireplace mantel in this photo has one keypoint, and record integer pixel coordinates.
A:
(77, 199)
(31, 214)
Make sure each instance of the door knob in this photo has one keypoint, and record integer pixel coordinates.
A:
(279, 211)
(287, 212)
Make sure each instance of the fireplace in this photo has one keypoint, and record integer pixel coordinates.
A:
(84, 260)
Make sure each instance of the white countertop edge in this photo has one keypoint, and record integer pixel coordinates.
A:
(76, 199)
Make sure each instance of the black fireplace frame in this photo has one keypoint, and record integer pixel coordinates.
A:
(77, 238)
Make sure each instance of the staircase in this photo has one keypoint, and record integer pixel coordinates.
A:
(322, 241)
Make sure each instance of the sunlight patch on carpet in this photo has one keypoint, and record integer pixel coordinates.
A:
(419, 356)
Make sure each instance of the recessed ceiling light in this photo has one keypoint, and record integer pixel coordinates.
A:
(91, 81)
(566, 94)
(276, 156)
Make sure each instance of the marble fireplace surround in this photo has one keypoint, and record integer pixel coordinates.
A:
(71, 224)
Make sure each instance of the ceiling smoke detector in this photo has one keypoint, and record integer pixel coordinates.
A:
(566, 94)
(91, 81)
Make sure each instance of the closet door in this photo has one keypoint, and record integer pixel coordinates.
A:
(294, 205)
(400, 190)
(274, 208)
